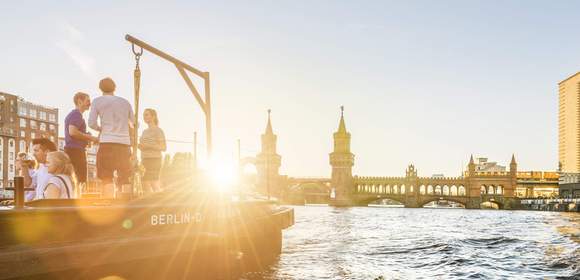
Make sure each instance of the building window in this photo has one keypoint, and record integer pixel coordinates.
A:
(33, 113)
(42, 126)
(51, 117)
(22, 123)
(52, 138)
(43, 115)
(33, 135)
(51, 127)
(22, 146)
(33, 124)
(21, 110)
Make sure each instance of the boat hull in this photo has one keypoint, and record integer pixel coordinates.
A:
(194, 234)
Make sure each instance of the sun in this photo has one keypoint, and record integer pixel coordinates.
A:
(223, 173)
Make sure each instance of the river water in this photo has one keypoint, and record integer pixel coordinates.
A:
(404, 243)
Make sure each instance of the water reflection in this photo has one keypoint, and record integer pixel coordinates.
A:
(399, 243)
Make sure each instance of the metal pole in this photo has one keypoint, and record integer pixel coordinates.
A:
(205, 105)
(239, 152)
(207, 114)
(268, 176)
(18, 192)
(195, 149)
(163, 55)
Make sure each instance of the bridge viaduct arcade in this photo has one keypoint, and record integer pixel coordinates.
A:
(343, 189)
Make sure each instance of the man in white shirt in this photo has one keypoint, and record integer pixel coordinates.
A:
(39, 177)
(113, 117)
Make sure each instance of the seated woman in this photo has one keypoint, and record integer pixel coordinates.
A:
(61, 184)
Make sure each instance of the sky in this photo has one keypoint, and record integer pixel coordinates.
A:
(422, 82)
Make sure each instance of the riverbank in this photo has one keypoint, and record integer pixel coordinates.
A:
(557, 204)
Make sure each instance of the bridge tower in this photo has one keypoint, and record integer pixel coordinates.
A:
(342, 161)
(514, 176)
(411, 179)
(472, 187)
(268, 163)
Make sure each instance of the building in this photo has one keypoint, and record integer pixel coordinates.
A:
(482, 165)
(570, 185)
(569, 124)
(529, 183)
(20, 122)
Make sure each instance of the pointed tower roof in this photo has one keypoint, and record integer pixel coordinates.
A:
(471, 159)
(341, 125)
(513, 159)
(269, 130)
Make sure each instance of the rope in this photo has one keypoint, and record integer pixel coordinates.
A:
(137, 188)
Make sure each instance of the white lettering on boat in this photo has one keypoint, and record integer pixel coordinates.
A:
(175, 218)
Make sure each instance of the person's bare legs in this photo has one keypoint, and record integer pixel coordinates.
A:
(156, 185)
(147, 187)
(108, 189)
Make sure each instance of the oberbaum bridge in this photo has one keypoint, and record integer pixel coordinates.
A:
(343, 189)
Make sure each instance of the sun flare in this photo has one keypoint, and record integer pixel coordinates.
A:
(223, 173)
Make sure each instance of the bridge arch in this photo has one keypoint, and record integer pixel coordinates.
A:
(461, 191)
(445, 190)
(430, 189)
(438, 190)
(422, 189)
(397, 198)
(491, 204)
(453, 190)
(431, 199)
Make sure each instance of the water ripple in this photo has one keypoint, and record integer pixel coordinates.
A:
(399, 243)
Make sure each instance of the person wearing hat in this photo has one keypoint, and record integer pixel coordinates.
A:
(112, 116)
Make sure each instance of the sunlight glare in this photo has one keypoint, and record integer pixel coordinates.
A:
(223, 174)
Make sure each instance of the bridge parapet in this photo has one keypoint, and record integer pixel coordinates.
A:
(489, 174)
(378, 180)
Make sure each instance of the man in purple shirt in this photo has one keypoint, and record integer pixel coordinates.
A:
(76, 137)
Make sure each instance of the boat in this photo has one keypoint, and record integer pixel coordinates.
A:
(183, 232)
(172, 235)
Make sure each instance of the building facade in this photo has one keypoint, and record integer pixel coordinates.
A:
(569, 124)
(20, 122)
(483, 165)
(570, 185)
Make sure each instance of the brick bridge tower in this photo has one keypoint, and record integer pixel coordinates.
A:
(342, 160)
(510, 192)
(268, 163)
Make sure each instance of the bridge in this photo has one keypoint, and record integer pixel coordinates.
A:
(413, 191)
(302, 190)
(472, 189)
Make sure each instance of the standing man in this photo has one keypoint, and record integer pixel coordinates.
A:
(115, 125)
(37, 179)
(76, 137)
